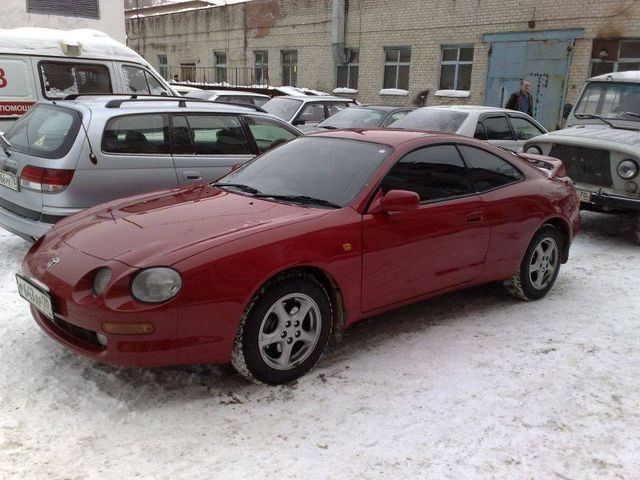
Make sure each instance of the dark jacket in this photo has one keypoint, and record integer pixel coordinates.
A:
(514, 102)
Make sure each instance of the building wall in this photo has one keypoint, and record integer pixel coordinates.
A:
(111, 21)
(425, 25)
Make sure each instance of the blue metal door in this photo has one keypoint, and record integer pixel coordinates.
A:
(542, 58)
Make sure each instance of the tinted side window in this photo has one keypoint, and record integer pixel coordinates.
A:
(524, 128)
(217, 135)
(62, 79)
(434, 173)
(137, 134)
(497, 128)
(267, 133)
(480, 133)
(487, 170)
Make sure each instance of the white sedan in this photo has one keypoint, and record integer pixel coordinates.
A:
(502, 127)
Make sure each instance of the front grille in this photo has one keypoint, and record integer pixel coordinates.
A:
(82, 334)
(584, 165)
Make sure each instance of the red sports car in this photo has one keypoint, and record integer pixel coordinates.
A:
(263, 266)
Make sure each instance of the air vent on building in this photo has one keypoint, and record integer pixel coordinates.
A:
(67, 8)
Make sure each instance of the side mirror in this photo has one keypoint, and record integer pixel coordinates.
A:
(395, 201)
(566, 110)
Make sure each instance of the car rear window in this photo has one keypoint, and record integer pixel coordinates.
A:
(46, 131)
(60, 79)
(432, 119)
(142, 133)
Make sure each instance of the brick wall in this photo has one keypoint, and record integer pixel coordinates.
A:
(425, 25)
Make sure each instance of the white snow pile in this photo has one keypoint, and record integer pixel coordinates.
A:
(345, 90)
(393, 91)
(452, 93)
(470, 385)
(47, 41)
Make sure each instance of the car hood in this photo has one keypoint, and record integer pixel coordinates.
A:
(167, 227)
(592, 134)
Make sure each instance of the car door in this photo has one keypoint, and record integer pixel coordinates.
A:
(268, 132)
(498, 131)
(441, 244)
(206, 146)
(135, 158)
(524, 128)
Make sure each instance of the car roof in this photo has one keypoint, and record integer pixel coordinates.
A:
(152, 103)
(236, 93)
(318, 98)
(393, 137)
(467, 108)
(384, 108)
(632, 76)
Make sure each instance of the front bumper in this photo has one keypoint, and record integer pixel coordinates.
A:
(611, 203)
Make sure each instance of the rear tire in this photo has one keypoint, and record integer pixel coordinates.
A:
(540, 266)
(284, 330)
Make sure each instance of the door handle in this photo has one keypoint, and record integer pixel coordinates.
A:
(475, 217)
(191, 175)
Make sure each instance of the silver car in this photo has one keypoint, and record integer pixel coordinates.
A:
(61, 158)
(306, 110)
(505, 128)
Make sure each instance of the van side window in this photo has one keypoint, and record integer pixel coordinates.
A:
(60, 79)
(148, 133)
(138, 80)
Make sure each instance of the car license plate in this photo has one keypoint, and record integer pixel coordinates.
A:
(584, 196)
(35, 296)
(10, 181)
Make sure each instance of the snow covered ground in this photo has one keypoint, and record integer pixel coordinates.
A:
(470, 385)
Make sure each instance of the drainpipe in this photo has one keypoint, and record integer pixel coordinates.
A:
(337, 30)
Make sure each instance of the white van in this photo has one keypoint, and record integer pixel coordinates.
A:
(41, 64)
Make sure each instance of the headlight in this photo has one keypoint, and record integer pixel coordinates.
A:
(156, 285)
(627, 169)
(101, 280)
(533, 149)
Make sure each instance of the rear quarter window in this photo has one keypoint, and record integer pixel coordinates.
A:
(46, 131)
(488, 171)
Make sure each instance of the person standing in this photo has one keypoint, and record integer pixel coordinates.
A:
(521, 101)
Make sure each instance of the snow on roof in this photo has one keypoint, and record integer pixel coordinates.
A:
(632, 76)
(81, 43)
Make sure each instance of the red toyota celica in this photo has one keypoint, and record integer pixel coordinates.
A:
(261, 267)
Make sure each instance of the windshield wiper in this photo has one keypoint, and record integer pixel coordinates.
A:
(239, 186)
(583, 116)
(304, 199)
(5, 144)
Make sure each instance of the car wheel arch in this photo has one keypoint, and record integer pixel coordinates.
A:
(328, 283)
(563, 227)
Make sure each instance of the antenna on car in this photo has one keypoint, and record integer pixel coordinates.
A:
(92, 156)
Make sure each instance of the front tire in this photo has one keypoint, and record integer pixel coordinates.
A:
(540, 266)
(284, 331)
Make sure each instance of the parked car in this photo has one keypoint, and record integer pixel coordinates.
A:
(360, 116)
(42, 64)
(505, 128)
(263, 266)
(60, 159)
(230, 96)
(601, 146)
(309, 110)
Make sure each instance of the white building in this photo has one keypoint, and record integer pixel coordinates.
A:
(104, 15)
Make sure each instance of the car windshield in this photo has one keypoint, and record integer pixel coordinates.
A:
(448, 121)
(329, 169)
(355, 117)
(283, 108)
(46, 131)
(611, 100)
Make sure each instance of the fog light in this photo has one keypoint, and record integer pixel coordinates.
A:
(631, 187)
(102, 339)
(128, 328)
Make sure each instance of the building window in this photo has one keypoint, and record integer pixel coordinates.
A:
(187, 73)
(66, 8)
(614, 55)
(220, 63)
(455, 68)
(261, 65)
(163, 68)
(290, 68)
(396, 67)
(347, 76)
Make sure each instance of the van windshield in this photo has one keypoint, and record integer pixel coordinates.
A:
(619, 101)
(46, 131)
